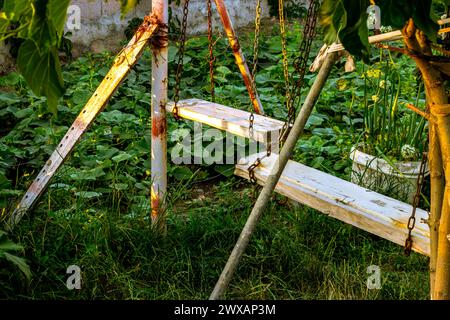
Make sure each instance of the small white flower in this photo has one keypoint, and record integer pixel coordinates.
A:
(408, 152)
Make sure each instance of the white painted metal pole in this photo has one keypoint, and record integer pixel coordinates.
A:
(158, 111)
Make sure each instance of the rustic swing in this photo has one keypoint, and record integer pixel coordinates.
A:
(350, 203)
(345, 201)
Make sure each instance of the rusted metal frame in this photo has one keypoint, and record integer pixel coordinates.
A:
(122, 65)
(239, 56)
(158, 113)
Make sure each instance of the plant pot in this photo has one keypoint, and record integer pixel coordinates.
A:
(378, 175)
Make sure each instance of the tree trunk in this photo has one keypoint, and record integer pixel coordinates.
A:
(419, 49)
(437, 193)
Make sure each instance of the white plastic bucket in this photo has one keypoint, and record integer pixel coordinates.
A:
(378, 175)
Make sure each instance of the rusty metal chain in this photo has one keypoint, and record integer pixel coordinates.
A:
(181, 52)
(300, 63)
(251, 169)
(412, 219)
(212, 58)
(284, 46)
(255, 63)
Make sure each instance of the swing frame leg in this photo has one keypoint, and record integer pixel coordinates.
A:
(123, 63)
(239, 56)
(275, 175)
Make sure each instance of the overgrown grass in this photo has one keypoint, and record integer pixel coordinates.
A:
(295, 254)
(96, 212)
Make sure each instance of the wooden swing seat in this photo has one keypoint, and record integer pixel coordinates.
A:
(345, 201)
(232, 120)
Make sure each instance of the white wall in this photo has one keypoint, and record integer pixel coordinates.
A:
(102, 28)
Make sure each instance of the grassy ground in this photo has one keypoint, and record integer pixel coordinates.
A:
(96, 213)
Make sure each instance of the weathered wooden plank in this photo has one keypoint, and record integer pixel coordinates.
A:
(228, 119)
(345, 201)
(122, 65)
(389, 36)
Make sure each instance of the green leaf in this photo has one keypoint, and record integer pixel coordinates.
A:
(422, 20)
(20, 263)
(88, 194)
(14, 9)
(346, 20)
(42, 33)
(42, 72)
(57, 13)
(182, 173)
(395, 13)
(122, 157)
(126, 6)
(8, 245)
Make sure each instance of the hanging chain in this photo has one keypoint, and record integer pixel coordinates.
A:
(412, 219)
(255, 64)
(212, 58)
(284, 46)
(181, 52)
(300, 63)
(251, 169)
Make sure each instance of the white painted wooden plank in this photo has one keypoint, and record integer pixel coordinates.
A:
(122, 65)
(345, 201)
(229, 119)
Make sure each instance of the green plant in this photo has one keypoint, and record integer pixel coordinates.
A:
(388, 128)
(6, 249)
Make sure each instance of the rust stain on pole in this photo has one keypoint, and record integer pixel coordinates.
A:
(158, 113)
(159, 126)
(239, 56)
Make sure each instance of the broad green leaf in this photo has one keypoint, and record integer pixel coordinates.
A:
(8, 245)
(20, 263)
(422, 20)
(182, 173)
(88, 194)
(42, 72)
(122, 157)
(57, 13)
(43, 33)
(14, 9)
(127, 5)
(395, 13)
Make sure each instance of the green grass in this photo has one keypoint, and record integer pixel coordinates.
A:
(96, 212)
(295, 254)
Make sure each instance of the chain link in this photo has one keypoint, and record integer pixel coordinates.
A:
(412, 219)
(181, 52)
(255, 64)
(300, 63)
(212, 58)
(251, 169)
